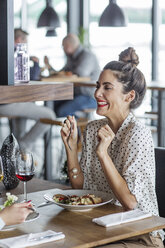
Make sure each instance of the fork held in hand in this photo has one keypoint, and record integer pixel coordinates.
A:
(71, 128)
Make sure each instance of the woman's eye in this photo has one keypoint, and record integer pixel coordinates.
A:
(108, 88)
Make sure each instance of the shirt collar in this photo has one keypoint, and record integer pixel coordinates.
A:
(124, 125)
(77, 52)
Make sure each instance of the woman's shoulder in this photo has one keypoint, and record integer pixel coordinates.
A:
(139, 130)
(140, 126)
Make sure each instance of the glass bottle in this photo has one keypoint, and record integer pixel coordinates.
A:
(21, 63)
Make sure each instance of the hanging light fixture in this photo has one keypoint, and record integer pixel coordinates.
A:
(51, 33)
(113, 16)
(48, 17)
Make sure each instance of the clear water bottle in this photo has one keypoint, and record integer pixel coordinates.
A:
(21, 63)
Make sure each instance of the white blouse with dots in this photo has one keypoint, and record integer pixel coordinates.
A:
(132, 153)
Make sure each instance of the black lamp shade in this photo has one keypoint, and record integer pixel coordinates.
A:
(48, 18)
(112, 16)
(51, 33)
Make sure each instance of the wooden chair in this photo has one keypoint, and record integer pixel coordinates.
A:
(160, 179)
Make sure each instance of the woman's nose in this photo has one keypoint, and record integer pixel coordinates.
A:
(98, 93)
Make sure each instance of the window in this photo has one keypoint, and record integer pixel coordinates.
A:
(40, 45)
(161, 56)
(108, 42)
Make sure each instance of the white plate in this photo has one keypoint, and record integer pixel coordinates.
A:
(104, 196)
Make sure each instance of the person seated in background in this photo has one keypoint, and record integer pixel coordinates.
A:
(82, 62)
(118, 151)
(15, 214)
(27, 110)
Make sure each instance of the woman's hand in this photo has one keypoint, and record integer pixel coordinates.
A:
(16, 213)
(69, 133)
(105, 135)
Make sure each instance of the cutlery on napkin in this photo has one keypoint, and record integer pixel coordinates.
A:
(120, 218)
(31, 239)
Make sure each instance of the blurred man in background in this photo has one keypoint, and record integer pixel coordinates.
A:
(82, 62)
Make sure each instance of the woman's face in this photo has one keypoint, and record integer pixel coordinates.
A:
(111, 101)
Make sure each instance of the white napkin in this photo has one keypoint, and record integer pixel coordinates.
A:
(31, 239)
(120, 218)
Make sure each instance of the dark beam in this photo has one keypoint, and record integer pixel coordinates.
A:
(155, 38)
(73, 16)
(6, 42)
(84, 20)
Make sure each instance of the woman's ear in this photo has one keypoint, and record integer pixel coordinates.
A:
(130, 96)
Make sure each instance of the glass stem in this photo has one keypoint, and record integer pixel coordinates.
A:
(25, 192)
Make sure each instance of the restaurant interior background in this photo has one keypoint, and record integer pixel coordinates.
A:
(105, 42)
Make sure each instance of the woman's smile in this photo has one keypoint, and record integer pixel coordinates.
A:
(101, 103)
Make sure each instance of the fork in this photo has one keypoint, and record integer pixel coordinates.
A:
(70, 131)
(71, 128)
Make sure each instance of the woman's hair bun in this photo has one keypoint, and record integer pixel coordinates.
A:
(129, 56)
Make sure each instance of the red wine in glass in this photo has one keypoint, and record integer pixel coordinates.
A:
(24, 177)
(24, 168)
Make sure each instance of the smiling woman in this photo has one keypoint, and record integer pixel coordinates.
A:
(118, 152)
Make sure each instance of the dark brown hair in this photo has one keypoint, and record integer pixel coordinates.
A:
(127, 73)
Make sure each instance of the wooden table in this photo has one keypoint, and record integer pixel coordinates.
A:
(160, 87)
(78, 227)
(35, 91)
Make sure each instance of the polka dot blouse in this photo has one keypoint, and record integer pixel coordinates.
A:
(132, 153)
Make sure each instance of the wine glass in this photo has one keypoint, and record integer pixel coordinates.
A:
(24, 168)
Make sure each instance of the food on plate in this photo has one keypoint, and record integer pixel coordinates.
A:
(88, 199)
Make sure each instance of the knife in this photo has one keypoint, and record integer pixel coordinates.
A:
(45, 237)
(43, 204)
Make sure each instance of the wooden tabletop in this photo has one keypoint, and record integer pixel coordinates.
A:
(78, 227)
(156, 85)
(36, 91)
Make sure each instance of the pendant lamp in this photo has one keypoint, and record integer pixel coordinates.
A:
(112, 16)
(51, 33)
(48, 17)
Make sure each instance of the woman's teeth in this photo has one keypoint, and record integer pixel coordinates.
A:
(101, 104)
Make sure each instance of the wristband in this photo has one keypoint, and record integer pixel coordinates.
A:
(74, 172)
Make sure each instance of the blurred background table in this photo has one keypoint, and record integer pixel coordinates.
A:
(65, 78)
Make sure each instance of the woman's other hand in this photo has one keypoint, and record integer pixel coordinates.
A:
(16, 213)
(69, 133)
(105, 136)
